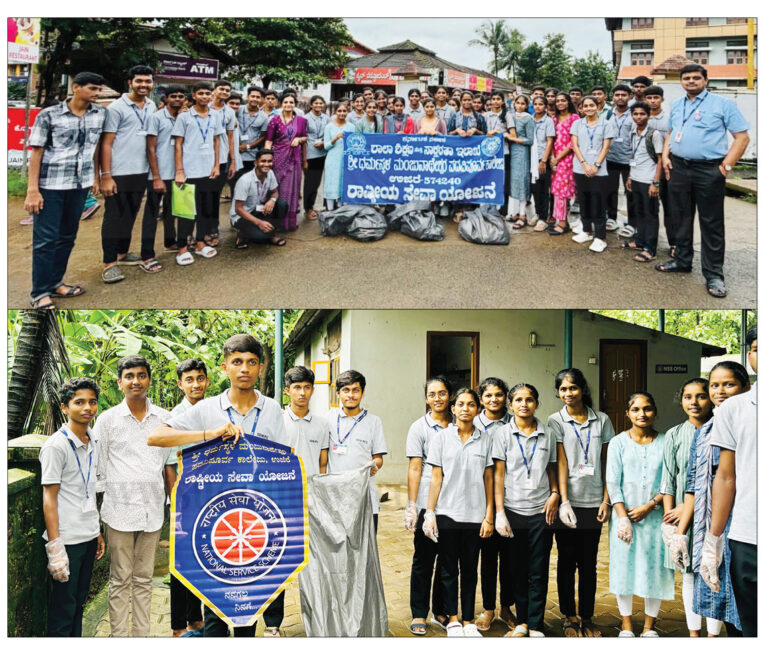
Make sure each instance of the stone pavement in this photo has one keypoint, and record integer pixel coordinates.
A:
(395, 552)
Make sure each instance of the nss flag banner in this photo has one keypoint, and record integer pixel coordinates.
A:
(238, 524)
(381, 169)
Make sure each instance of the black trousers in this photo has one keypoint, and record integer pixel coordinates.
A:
(646, 216)
(577, 549)
(207, 206)
(744, 580)
(529, 548)
(458, 554)
(590, 193)
(120, 212)
(424, 576)
(250, 231)
(65, 605)
(158, 206)
(494, 564)
(273, 617)
(617, 177)
(185, 606)
(541, 196)
(312, 177)
(700, 186)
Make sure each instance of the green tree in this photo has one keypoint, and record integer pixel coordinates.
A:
(492, 35)
(17, 90)
(529, 65)
(556, 64)
(511, 53)
(292, 50)
(592, 70)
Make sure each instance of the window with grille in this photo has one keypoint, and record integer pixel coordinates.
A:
(641, 45)
(642, 23)
(736, 57)
(736, 42)
(700, 57)
(696, 44)
(735, 21)
(696, 22)
(641, 58)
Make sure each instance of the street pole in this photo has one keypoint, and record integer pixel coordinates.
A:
(662, 320)
(751, 53)
(279, 356)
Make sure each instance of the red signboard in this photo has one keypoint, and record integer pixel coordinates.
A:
(374, 76)
(16, 133)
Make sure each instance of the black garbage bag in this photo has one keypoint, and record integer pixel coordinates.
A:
(367, 225)
(333, 223)
(422, 225)
(484, 225)
(395, 215)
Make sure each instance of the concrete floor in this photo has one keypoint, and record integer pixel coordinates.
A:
(395, 554)
(312, 271)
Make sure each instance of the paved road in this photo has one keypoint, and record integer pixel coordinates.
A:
(395, 553)
(312, 271)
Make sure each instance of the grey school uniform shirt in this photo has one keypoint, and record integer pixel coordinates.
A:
(129, 124)
(488, 426)
(642, 167)
(420, 435)
(228, 121)
(591, 142)
(198, 133)
(252, 191)
(659, 122)
(252, 127)
(543, 129)
(160, 124)
(315, 129)
(620, 151)
(462, 495)
(307, 436)
(584, 490)
(540, 449)
(353, 442)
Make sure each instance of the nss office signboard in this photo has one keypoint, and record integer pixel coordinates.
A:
(380, 169)
(239, 524)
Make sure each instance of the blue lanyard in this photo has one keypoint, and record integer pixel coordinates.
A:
(436, 427)
(141, 116)
(591, 133)
(354, 425)
(578, 436)
(79, 467)
(694, 108)
(621, 123)
(640, 139)
(203, 133)
(255, 421)
(522, 453)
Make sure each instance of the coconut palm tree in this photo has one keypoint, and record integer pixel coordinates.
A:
(492, 35)
(510, 53)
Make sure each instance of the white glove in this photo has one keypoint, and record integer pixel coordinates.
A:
(430, 525)
(567, 516)
(502, 525)
(624, 530)
(667, 531)
(58, 561)
(411, 516)
(711, 557)
(678, 550)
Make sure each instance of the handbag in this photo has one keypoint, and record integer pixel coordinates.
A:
(183, 201)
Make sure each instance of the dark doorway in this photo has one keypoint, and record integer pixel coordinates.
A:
(622, 372)
(455, 355)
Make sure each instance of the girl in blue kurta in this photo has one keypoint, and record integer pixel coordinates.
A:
(633, 477)
(725, 380)
(520, 162)
(333, 142)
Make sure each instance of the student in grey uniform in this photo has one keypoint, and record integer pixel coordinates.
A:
(356, 435)
(618, 162)
(235, 101)
(544, 131)
(442, 109)
(460, 509)
(162, 165)
(527, 499)
(186, 611)
(414, 109)
(227, 163)
(358, 109)
(307, 435)
(644, 179)
(252, 120)
(438, 392)
(317, 120)
(72, 532)
(197, 135)
(124, 169)
(582, 436)
(591, 138)
(494, 551)
(239, 410)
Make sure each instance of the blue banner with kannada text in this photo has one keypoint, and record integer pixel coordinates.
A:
(379, 169)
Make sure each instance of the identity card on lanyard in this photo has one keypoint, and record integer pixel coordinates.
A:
(632, 162)
(89, 504)
(530, 482)
(255, 421)
(141, 115)
(203, 133)
(341, 447)
(584, 467)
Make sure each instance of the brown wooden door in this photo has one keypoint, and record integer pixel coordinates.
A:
(622, 372)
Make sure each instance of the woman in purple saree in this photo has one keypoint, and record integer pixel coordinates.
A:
(287, 137)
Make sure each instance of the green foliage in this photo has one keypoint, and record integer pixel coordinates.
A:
(529, 64)
(718, 327)
(511, 52)
(556, 64)
(17, 90)
(592, 70)
(17, 184)
(492, 35)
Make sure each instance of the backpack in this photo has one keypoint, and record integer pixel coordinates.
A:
(649, 133)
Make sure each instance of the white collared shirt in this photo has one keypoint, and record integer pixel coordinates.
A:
(129, 471)
(307, 435)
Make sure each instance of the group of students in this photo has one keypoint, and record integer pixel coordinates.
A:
(489, 486)
(130, 455)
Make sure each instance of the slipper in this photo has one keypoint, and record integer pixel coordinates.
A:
(716, 288)
(650, 633)
(587, 625)
(629, 245)
(112, 274)
(173, 248)
(454, 629)
(626, 633)
(507, 618)
(570, 628)
(152, 266)
(206, 251)
(129, 259)
(540, 226)
(271, 631)
(644, 257)
(519, 223)
(535, 634)
(36, 305)
(185, 259)
(558, 231)
(626, 231)
(277, 241)
(419, 629)
(484, 620)
(437, 622)
(211, 239)
(241, 244)
(519, 631)
(74, 291)
(611, 224)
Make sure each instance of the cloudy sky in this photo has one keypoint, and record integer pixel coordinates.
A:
(448, 37)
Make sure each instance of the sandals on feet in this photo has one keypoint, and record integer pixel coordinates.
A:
(241, 244)
(716, 288)
(36, 305)
(519, 631)
(112, 274)
(485, 619)
(570, 628)
(629, 245)
(72, 291)
(185, 258)
(540, 226)
(419, 629)
(644, 256)
(558, 230)
(152, 266)
(312, 215)
(519, 223)
(277, 241)
(129, 259)
(206, 251)
(211, 239)
(588, 627)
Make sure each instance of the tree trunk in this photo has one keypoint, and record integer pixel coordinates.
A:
(26, 369)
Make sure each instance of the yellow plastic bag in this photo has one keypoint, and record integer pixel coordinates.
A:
(183, 201)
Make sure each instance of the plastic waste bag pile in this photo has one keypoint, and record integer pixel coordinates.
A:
(485, 225)
(415, 219)
(361, 222)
